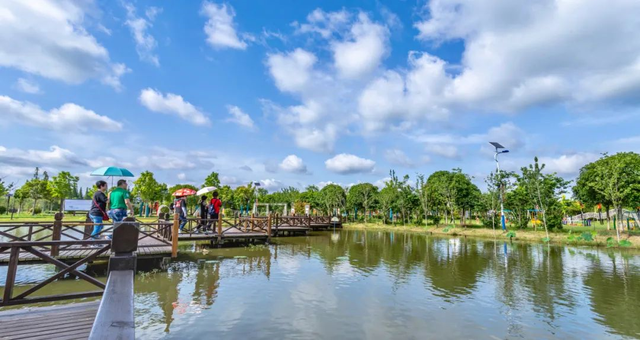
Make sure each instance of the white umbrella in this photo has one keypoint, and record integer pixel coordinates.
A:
(206, 190)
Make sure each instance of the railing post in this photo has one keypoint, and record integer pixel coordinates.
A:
(269, 228)
(174, 235)
(123, 246)
(57, 232)
(219, 228)
(88, 228)
(11, 275)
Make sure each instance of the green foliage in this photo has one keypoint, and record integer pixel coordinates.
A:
(62, 186)
(447, 228)
(624, 243)
(511, 234)
(586, 236)
(147, 188)
(36, 188)
(5, 188)
(546, 239)
(333, 197)
(212, 180)
(362, 196)
(611, 242)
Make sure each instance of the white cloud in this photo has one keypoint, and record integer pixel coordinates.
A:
(518, 55)
(291, 71)
(182, 176)
(271, 184)
(349, 164)
(293, 163)
(48, 38)
(398, 157)
(362, 51)
(381, 183)
(68, 117)
(27, 86)
(220, 28)
(323, 184)
(145, 43)
(324, 23)
(239, 117)
(55, 156)
(172, 104)
(568, 164)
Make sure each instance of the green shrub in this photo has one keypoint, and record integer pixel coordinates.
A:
(511, 234)
(3, 210)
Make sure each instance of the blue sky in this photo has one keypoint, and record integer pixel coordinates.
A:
(302, 92)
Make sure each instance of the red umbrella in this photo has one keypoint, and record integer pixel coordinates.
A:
(184, 192)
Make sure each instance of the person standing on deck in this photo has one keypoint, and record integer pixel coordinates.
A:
(180, 206)
(204, 213)
(98, 208)
(119, 200)
(214, 207)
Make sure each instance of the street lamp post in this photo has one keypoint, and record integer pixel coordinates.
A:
(499, 146)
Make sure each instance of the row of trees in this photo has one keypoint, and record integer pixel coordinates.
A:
(530, 195)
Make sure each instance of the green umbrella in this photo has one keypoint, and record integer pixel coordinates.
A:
(111, 171)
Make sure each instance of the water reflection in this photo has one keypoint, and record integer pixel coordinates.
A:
(355, 284)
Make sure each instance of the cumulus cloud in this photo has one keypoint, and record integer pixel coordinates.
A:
(291, 71)
(568, 164)
(271, 184)
(165, 162)
(239, 117)
(349, 164)
(55, 156)
(326, 24)
(27, 86)
(362, 51)
(48, 38)
(172, 104)
(293, 163)
(246, 168)
(68, 117)
(519, 55)
(139, 26)
(220, 28)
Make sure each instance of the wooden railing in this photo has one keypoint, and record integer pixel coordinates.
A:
(38, 232)
(14, 248)
(291, 221)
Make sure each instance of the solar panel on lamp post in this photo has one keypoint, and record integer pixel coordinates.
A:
(499, 146)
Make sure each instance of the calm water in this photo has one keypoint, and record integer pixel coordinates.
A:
(377, 285)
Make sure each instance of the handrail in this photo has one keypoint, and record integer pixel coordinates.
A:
(9, 299)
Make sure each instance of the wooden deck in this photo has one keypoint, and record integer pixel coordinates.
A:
(147, 248)
(71, 321)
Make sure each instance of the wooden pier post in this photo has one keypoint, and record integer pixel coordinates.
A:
(57, 232)
(269, 228)
(219, 228)
(174, 235)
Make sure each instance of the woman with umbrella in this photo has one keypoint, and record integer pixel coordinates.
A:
(180, 205)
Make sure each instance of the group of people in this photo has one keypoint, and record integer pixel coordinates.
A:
(209, 211)
(116, 205)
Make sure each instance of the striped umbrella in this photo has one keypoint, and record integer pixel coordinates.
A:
(184, 192)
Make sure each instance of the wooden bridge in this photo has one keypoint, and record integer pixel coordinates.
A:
(111, 318)
(68, 245)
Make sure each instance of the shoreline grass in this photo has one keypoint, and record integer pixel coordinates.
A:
(559, 238)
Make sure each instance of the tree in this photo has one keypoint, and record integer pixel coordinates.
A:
(147, 188)
(312, 196)
(212, 180)
(617, 179)
(63, 186)
(442, 189)
(37, 188)
(226, 196)
(333, 197)
(586, 190)
(543, 191)
(362, 195)
(387, 200)
(20, 195)
(244, 195)
(423, 196)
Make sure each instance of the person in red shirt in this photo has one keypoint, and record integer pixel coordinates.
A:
(214, 207)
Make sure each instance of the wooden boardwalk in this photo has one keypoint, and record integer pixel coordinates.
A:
(147, 248)
(70, 321)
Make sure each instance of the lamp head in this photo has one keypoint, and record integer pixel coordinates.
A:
(504, 151)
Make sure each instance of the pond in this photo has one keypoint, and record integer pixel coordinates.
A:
(384, 285)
